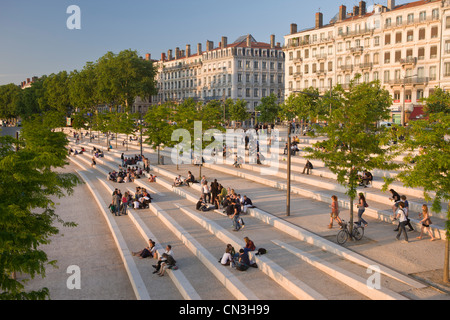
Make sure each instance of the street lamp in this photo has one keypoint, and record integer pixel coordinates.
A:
(404, 98)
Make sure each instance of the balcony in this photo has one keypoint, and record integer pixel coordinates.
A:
(346, 67)
(356, 50)
(297, 75)
(409, 81)
(322, 56)
(297, 60)
(356, 32)
(321, 73)
(366, 65)
(409, 61)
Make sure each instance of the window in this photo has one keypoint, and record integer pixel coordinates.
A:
(447, 69)
(396, 95)
(376, 41)
(399, 20)
(306, 69)
(419, 94)
(410, 35)
(375, 76)
(447, 46)
(291, 71)
(435, 14)
(291, 56)
(239, 64)
(433, 73)
(421, 53)
(434, 32)
(398, 37)
(247, 92)
(388, 22)
(239, 79)
(255, 78)
(255, 65)
(376, 58)
(447, 22)
(422, 16)
(330, 66)
(386, 76)
(306, 53)
(264, 65)
(410, 18)
(422, 34)
(387, 39)
(433, 52)
(255, 93)
(398, 56)
(387, 57)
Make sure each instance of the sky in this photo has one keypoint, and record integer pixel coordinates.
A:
(35, 39)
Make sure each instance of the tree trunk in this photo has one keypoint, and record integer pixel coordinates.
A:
(446, 262)
(350, 223)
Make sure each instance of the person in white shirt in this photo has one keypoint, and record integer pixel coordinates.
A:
(401, 216)
(226, 258)
(162, 259)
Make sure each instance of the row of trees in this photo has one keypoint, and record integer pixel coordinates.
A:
(114, 80)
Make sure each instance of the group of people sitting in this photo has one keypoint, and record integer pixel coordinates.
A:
(141, 199)
(165, 261)
(178, 181)
(75, 152)
(239, 260)
(125, 176)
(97, 153)
(130, 161)
(365, 178)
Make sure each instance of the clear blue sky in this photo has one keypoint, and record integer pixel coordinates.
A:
(34, 39)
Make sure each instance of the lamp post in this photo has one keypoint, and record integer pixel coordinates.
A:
(140, 131)
(404, 98)
(288, 188)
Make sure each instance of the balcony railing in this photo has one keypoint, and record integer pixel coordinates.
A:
(298, 74)
(346, 67)
(358, 49)
(366, 65)
(408, 61)
(409, 81)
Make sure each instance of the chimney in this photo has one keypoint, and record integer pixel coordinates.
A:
(209, 45)
(319, 20)
(177, 53)
(163, 56)
(355, 11)
(293, 28)
(148, 56)
(188, 50)
(278, 44)
(342, 13)
(224, 42)
(391, 4)
(169, 54)
(199, 48)
(272, 41)
(249, 42)
(28, 80)
(362, 8)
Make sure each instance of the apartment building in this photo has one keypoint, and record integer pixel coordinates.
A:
(245, 69)
(402, 46)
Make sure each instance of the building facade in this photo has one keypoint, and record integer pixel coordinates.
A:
(406, 47)
(245, 69)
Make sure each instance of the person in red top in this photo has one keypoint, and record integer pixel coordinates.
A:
(249, 245)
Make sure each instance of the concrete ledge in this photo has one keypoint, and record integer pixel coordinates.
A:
(296, 287)
(183, 285)
(350, 279)
(137, 283)
(230, 281)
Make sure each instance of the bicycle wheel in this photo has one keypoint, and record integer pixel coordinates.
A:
(342, 237)
(358, 232)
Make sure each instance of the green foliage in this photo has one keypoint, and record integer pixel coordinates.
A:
(9, 100)
(56, 94)
(237, 110)
(28, 182)
(268, 108)
(123, 77)
(438, 102)
(353, 142)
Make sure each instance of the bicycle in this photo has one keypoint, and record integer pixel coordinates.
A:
(357, 233)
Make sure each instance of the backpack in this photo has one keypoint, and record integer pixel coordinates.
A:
(261, 251)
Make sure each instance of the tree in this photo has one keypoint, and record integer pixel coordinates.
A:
(56, 94)
(123, 77)
(238, 110)
(430, 168)
(438, 102)
(28, 181)
(353, 142)
(9, 100)
(268, 108)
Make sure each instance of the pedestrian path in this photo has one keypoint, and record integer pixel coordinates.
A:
(299, 274)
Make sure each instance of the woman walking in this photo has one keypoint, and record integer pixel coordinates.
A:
(401, 216)
(362, 205)
(426, 221)
(334, 212)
